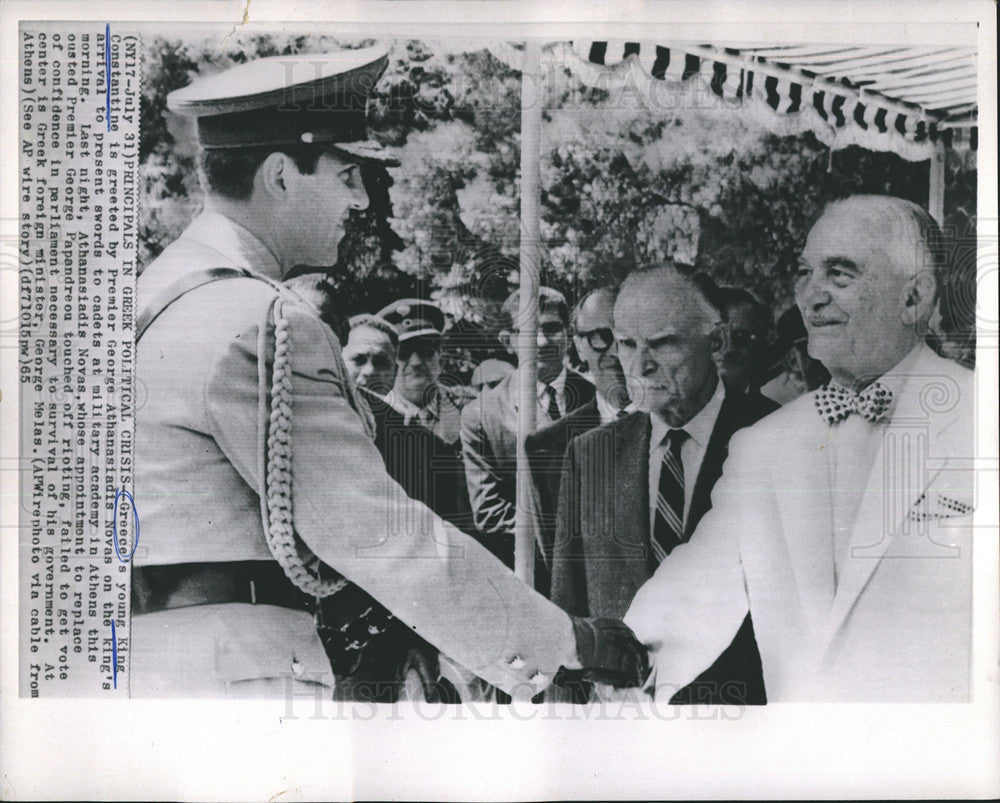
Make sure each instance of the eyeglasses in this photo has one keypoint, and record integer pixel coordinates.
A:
(423, 349)
(598, 339)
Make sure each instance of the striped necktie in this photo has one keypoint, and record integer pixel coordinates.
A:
(668, 524)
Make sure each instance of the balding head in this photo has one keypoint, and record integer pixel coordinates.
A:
(909, 235)
(669, 338)
(867, 284)
(595, 310)
(593, 332)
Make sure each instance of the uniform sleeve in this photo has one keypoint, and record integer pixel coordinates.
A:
(688, 612)
(346, 508)
(492, 513)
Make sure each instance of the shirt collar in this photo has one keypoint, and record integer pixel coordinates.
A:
(409, 409)
(559, 383)
(699, 428)
(895, 378)
(607, 411)
(233, 242)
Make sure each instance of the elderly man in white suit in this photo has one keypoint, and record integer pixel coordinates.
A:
(842, 521)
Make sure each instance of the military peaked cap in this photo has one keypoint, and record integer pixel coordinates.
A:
(413, 317)
(314, 98)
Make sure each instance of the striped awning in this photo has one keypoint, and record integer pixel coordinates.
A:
(901, 99)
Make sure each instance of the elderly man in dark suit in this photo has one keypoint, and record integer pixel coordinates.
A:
(489, 422)
(634, 489)
(592, 332)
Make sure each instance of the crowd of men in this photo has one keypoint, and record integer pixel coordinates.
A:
(330, 514)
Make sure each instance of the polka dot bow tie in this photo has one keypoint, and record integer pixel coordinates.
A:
(835, 402)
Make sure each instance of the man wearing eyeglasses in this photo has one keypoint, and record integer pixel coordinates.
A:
(592, 325)
(489, 422)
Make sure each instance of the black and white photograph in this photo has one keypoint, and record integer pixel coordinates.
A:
(609, 378)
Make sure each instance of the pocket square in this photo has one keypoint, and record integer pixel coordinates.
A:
(937, 505)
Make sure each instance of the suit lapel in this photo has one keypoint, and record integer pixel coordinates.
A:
(900, 474)
(578, 391)
(727, 422)
(630, 492)
(804, 503)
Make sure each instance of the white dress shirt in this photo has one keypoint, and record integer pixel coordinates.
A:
(606, 410)
(699, 430)
(559, 383)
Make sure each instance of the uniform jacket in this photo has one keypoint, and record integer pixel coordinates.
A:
(489, 449)
(601, 555)
(897, 625)
(199, 477)
(445, 411)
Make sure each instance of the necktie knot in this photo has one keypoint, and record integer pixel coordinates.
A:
(835, 402)
(675, 439)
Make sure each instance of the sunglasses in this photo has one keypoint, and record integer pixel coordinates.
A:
(598, 339)
(422, 349)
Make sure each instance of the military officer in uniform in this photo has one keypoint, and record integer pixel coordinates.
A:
(418, 392)
(258, 481)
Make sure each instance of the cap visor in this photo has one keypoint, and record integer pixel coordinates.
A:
(367, 150)
(420, 333)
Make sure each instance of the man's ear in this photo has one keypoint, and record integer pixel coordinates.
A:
(717, 337)
(273, 176)
(919, 300)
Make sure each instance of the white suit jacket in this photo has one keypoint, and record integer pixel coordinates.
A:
(897, 625)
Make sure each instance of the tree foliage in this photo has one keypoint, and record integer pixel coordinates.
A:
(622, 186)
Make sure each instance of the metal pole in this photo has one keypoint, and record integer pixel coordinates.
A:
(527, 323)
(935, 195)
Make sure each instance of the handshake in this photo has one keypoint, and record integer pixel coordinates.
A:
(608, 653)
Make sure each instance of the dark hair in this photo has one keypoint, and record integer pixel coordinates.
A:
(549, 300)
(230, 171)
(731, 297)
(318, 289)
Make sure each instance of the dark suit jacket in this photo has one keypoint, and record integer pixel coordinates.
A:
(602, 554)
(546, 449)
(489, 450)
(426, 467)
